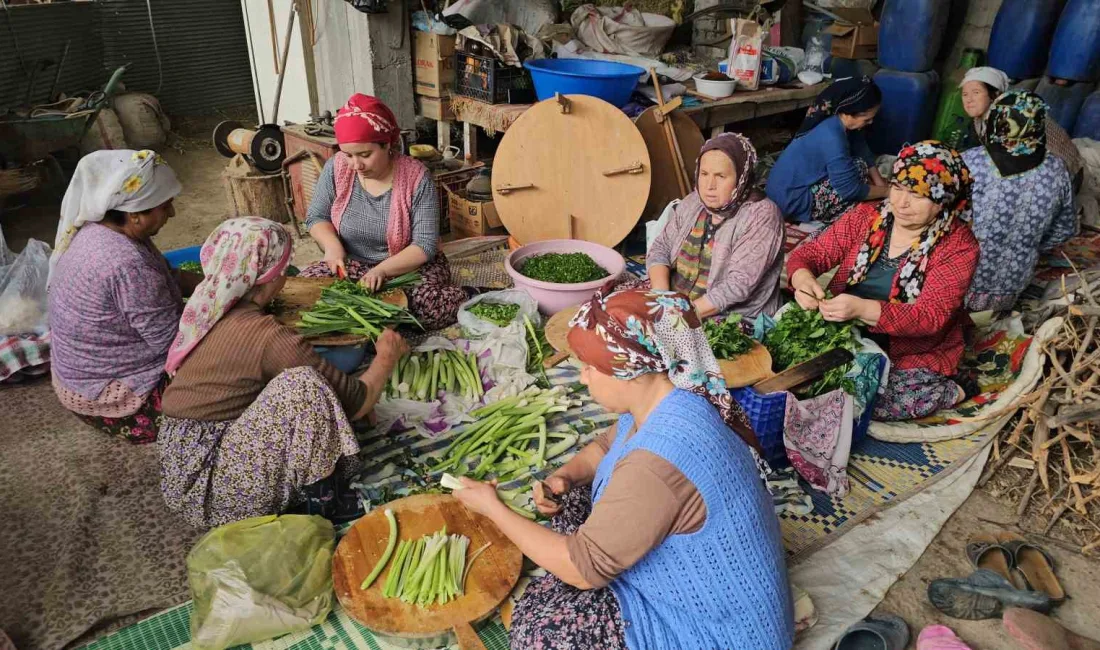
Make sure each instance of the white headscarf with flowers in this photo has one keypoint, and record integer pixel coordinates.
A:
(119, 179)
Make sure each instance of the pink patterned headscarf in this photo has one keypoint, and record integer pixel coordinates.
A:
(366, 119)
(242, 253)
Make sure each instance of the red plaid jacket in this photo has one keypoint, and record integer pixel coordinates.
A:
(927, 333)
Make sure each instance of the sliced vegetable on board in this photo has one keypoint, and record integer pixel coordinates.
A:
(345, 306)
(430, 570)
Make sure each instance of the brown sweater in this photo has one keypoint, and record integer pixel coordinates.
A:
(233, 363)
(646, 500)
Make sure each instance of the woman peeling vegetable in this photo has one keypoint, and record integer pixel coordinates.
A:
(375, 213)
(255, 422)
(668, 507)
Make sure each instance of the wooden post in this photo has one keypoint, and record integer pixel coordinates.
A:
(442, 135)
(469, 142)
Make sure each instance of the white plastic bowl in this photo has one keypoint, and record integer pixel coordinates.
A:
(554, 297)
(713, 88)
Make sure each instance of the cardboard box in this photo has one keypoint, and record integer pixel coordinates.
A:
(472, 218)
(435, 64)
(435, 108)
(856, 36)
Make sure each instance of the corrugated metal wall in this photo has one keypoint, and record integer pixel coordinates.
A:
(41, 32)
(203, 52)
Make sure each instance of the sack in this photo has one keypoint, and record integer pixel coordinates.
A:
(622, 30)
(143, 122)
(260, 578)
(476, 328)
(653, 228)
(745, 53)
(23, 278)
(105, 133)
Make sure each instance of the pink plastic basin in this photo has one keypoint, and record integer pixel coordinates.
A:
(551, 296)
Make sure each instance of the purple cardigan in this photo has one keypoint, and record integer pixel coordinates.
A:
(746, 261)
(114, 310)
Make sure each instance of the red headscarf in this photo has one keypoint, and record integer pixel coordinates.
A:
(366, 119)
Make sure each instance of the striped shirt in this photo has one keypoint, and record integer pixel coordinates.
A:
(363, 226)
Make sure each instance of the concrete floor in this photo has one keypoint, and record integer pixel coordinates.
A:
(201, 207)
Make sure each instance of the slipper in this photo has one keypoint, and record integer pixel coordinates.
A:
(1036, 565)
(983, 594)
(1033, 631)
(886, 632)
(985, 552)
(939, 637)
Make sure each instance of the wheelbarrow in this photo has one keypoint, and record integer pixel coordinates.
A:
(25, 140)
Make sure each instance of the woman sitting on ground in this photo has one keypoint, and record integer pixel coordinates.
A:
(723, 246)
(904, 268)
(667, 508)
(828, 167)
(980, 88)
(1023, 202)
(114, 302)
(254, 420)
(375, 212)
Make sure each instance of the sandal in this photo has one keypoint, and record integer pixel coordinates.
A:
(940, 637)
(1036, 564)
(985, 552)
(885, 632)
(983, 594)
(1033, 631)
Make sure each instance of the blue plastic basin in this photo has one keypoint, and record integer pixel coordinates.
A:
(610, 81)
(345, 357)
(181, 255)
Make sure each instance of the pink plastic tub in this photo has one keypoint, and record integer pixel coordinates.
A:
(551, 296)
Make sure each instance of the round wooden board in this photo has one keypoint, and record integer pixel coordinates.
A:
(492, 577)
(747, 369)
(300, 294)
(664, 187)
(557, 329)
(565, 157)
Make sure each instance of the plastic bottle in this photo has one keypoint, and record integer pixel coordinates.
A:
(908, 109)
(1075, 50)
(1020, 39)
(951, 118)
(910, 33)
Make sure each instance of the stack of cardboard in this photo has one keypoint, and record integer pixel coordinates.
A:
(435, 75)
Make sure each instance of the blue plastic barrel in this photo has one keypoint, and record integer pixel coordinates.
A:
(1021, 36)
(1088, 118)
(1075, 50)
(1064, 101)
(910, 33)
(610, 81)
(909, 101)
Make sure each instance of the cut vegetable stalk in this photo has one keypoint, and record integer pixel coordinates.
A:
(385, 554)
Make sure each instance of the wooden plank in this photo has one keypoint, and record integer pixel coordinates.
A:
(804, 372)
(664, 187)
(305, 24)
(332, 55)
(360, 62)
(469, 142)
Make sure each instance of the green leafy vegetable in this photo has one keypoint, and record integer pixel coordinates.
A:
(563, 268)
(191, 267)
(499, 314)
(536, 347)
(422, 376)
(430, 570)
(347, 307)
(727, 339)
(801, 335)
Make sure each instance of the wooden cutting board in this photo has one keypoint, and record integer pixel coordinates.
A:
(300, 294)
(747, 369)
(492, 577)
(557, 335)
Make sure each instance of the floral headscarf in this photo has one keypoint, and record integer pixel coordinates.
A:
(240, 254)
(635, 330)
(118, 179)
(1016, 132)
(850, 96)
(932, 170)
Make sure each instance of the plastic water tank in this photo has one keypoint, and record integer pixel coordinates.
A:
(1088, 118)
(910, 33)
(908, 109)
(951, 118)
(1021, 36)
(1064, 101)
(1075, 50)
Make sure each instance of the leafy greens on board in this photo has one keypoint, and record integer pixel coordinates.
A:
(563, 268)
(801, 335)
(727, 339)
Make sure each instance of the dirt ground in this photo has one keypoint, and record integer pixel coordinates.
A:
(201, 207)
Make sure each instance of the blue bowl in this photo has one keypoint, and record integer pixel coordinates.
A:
(610, 81)
(181, 255)
(345, 357)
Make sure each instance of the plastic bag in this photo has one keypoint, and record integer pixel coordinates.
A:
(745, 53)
(476, 328)
(260, 578)
(653, 228)
(23, 279)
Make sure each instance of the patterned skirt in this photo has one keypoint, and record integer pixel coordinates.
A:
(434, 302)
(915, 393)
(214, 473)
(552, 615)
(827, 204)
(139, 427)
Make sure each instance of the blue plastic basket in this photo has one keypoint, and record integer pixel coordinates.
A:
(346, 358)
(610, 81)
(181, 255)
(766, 414)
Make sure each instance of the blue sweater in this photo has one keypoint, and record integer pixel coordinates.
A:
(725, 585)
(827, 151)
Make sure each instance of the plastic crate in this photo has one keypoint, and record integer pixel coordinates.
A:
(766, 414)
(453, 181)
(486, 79)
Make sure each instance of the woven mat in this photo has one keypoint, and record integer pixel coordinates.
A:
(482, 270)
(492, 117)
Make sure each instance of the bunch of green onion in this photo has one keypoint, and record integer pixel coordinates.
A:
(422, 375)
(346, 307)
(430, 570)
